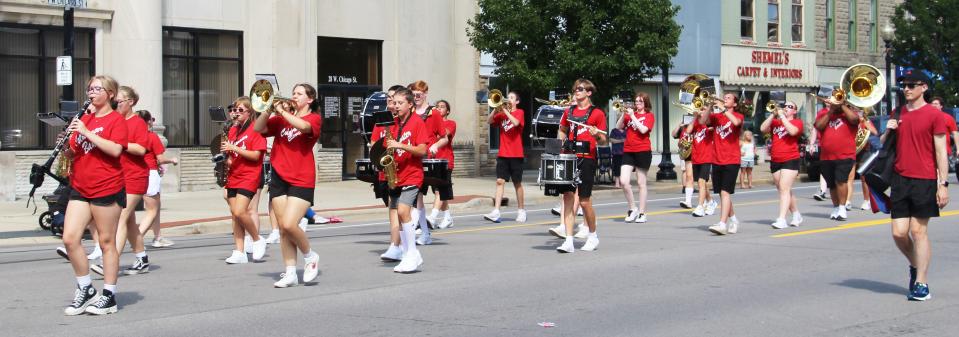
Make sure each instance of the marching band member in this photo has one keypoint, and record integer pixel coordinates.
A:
(155, 159)
(244, 148)
(637, 153)
(727, 127)
(952, 137)
(136, 175)
(434, 128)
(96, 143)
(687, 202)
(409, 146)
(295, 129)
(589, 136)
(784, 130)
(837, 123)
(441, 197)
(509, 119)
(864, 123)
(382, 191)
(702, 158)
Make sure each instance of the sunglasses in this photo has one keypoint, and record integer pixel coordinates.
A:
(238, 110)
(580, 88)
(911, 85)
(790, 106)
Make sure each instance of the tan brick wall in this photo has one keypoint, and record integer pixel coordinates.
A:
(329, 165)
(196, 170)
(841, 56)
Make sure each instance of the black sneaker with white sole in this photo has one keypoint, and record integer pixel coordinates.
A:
(140, 266)
(81, 299)
(97, 268)
(105, 304)
(63, 253)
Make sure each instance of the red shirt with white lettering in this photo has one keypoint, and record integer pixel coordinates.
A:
(409, 168)
(446, 152)
(726, 138)
(134, 166)
(245, 173)
(510, 135)
(636, 141)
(153, 150)
(597, 119)
(703, 152)
(838, 140)
(784, 146)
(433, 122)
(915, 151)
(95, 174)
(292, 155)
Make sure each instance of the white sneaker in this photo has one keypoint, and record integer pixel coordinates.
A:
(582, 231)
(559, 231)
(797, 220)
(161, 242)
(711, 207)
(631, 215)
(95, 254)
(247, 244)
(447, 221)
(237, 257)
(699, 212)
(591, 242)
(780, 223)
(685, 204)
(274, 237)
(311, 266)
(579, 212)
(641, 218)
(733, 226)
(566, 247)
(719, 228)
(286, 280)
(259, 249)
(556, 210)
(410, 263)
(302, 225)
(394, 253)
(848, 205)
(431, 219)
(424, 239)
(841, 214)
(521, 215)
(866, 206)
(492, 216)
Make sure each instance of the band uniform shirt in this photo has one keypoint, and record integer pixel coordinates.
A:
(785, 147)
(510, 135)
(446, 152)
(726, 138)
(915, 150)
(245, 173)
(154, 149)
(292, 154)
(950, 128)
(433, 123)
(636, 141)
(96, 174)
(703, 152)
(409, 168)
(597, 119)
(134, 166)
(838, 140)
(379, 132)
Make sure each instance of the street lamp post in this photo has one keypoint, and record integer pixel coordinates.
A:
(888, 34)
(666, 165)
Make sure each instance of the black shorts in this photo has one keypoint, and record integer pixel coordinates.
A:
(835, 171)
(587, 175)
(509, 168)
(912, 197)
(639, 160)
(702, 171)
(617, 164)
(786, 165)
(381, 190)
(232, 192)
(446, 191)
(279, 187)
(120, 198)
(724, 178)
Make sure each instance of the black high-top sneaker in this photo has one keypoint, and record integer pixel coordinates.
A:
(140, 266)
(105, 304)
(81, 299)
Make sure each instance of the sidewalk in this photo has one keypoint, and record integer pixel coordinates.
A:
(185, 213)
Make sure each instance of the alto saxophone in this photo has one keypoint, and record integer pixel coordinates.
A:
(220, 169)
(388, 161)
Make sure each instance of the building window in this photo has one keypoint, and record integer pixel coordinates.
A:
(201, 69)
(852, 25)
(797, 21)
(772, 26)
(874, 26)
(746, 20)
(27, 70)
(830, 24)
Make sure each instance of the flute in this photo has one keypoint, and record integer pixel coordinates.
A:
(584, 125)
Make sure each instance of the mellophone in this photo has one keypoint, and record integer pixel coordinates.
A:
(436, 172)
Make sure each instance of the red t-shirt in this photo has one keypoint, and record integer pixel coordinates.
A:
(409, 168)
(703, 152)
(784, 147)
(245, 173)
(838, 140)
(292, 155)
(434, 125)
(510, 135)
(378, 133)
(153, 150)
(726, 138)
(951, 126)
(134, 166)
(96, 174)
(915, 151)
(636, 141)
(446, 152)
(597, 119)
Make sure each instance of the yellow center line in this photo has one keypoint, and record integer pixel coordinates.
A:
(867, 223)
(681, 210)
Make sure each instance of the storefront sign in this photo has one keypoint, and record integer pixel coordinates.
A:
(745, 65)
(68, 3)
(341, 79)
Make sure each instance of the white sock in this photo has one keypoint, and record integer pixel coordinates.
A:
(733, 219)
(425, 227)
(141, 254)
(84, 280)
(445, 214)
(96, 247)
(689, 195)
(291, 270)
(111, 287)
(408, 236)
(434, 213)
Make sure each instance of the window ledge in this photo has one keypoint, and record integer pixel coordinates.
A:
(747, 42)
(798, 45)
(774, 44)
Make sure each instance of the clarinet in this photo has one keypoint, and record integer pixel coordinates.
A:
(38, 172)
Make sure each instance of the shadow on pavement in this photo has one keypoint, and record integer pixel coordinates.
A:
(874, 286)
(127, 298)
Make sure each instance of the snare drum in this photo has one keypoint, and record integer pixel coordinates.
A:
(558, 169)
(436, 172)
(365, 171)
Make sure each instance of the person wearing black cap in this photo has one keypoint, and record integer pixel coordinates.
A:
(919, 183)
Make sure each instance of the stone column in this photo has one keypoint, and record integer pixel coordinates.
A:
(134, 54)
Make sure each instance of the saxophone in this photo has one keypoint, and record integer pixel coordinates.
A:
(220, 169)
(862, 135)
(686, 146)
(388, 161)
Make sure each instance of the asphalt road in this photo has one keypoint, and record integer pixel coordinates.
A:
(667, 277)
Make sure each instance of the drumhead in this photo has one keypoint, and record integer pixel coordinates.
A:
(433, 160)
(376, 102)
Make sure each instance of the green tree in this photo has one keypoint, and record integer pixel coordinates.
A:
(927, 32)
(542, 44)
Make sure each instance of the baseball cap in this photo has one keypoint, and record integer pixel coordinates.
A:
(915, 76)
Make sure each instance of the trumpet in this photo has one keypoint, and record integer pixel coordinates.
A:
(771, 107)
(263, 97)
(497, 101)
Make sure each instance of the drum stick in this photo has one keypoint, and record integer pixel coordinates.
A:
(584, 125)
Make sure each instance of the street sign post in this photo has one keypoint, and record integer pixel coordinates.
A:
(64, 70)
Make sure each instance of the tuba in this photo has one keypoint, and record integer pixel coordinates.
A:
(863, 86)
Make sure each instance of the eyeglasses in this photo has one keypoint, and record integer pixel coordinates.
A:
(911, 85)
(95, 89)
(124, 101)
(419, 95)
(580, 88)
(238, 110)
(790, 106)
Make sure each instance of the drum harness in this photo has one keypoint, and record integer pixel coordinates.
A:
(570, 145)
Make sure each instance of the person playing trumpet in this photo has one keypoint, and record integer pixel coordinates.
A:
(638, 120)
(244, 147)
(784, 130)
(837, 123)
(509, 119)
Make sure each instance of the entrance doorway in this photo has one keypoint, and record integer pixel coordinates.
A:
(342, 106)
